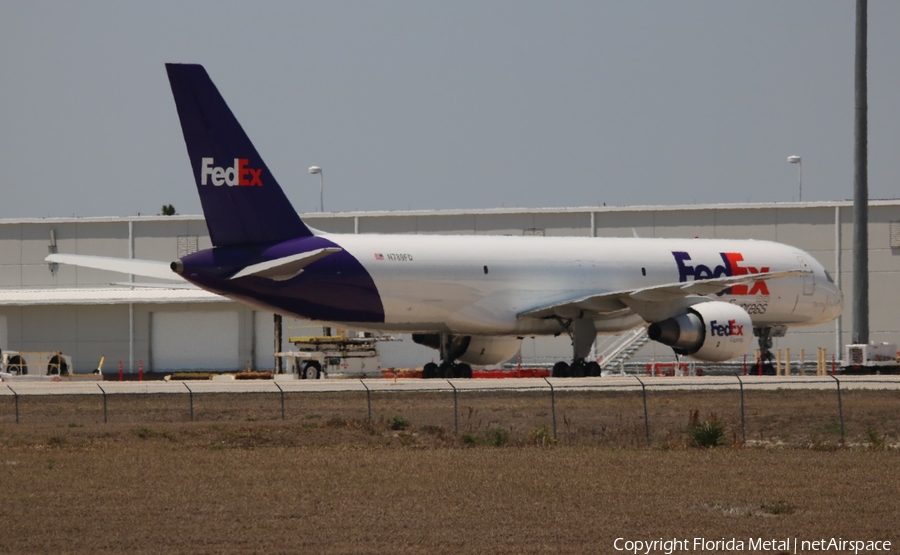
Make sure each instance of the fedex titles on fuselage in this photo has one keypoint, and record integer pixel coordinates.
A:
(730, 267)
(238, 175)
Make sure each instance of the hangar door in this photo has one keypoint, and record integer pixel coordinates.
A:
(194, 341)
(263, 340)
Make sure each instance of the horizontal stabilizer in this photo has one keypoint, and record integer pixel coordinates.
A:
(146, 268)
(146, 285)
(282, 269)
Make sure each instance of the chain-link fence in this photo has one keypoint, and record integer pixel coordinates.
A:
(815, 412)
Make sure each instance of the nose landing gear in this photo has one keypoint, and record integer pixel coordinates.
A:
(764, 337)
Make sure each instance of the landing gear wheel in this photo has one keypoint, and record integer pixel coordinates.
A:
(311, 370)
(592, 369)
(429, 371)
(465, 371)
(445, 370)
(577, 370)
(560, 370)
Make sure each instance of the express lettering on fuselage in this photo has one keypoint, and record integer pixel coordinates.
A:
(730, 267)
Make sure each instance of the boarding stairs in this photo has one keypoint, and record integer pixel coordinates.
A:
(623, 348)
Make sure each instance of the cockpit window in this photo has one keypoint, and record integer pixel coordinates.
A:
(828, 277)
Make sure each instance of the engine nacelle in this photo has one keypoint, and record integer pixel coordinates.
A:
(485, 349)
(711, 332)
(479, 350)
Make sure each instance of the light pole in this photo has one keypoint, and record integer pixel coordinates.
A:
(317, 170)
(792, 160)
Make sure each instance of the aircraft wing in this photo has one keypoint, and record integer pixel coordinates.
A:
(605, 303)
(146, 268)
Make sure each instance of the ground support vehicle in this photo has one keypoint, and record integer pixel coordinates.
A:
(323, 356)
(34, 365)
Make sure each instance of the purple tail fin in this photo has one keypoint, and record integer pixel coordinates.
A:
(242, 202)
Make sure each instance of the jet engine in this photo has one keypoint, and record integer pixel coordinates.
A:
(478, 350)
(713, 331)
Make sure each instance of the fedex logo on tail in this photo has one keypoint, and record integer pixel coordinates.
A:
(238, 175)
(728, 329)
(730, 267)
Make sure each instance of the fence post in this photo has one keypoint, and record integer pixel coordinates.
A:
(743, 424)
(646, 418)
(552, 405)
(455, 408)
(104, 403)
(121, 372)
(191, 393)
(16, 395)
(840, 406)
(282, 398)
(368, 398)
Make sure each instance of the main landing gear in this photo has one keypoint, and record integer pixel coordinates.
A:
(450, 347)
(764, 337)
(582, 333)
(578, 369)
(446, 370)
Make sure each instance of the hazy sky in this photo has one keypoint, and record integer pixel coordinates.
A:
(433, 105)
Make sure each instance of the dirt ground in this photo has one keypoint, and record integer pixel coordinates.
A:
(239, 479)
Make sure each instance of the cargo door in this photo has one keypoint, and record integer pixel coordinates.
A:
(809, 282)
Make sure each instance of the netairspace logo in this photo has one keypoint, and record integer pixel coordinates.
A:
(722, 545)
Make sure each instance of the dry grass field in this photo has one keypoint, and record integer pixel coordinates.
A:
(239, 479)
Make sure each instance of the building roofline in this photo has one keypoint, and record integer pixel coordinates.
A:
(473, 211)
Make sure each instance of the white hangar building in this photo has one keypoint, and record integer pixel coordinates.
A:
(44, 307)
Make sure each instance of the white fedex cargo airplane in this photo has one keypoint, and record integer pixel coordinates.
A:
(473, 298)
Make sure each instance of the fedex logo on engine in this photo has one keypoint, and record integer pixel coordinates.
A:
(238, 175)
(730, 267)
(729, 329)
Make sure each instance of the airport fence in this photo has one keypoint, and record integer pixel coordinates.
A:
(814, 412)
